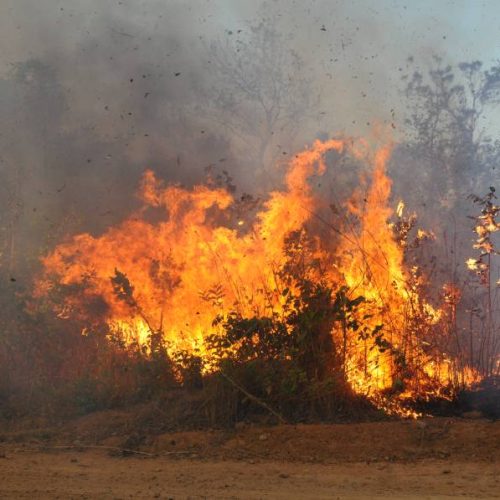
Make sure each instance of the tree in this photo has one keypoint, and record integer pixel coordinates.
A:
(448, 106)
(451, 153)
(261, 93)
(447, 153)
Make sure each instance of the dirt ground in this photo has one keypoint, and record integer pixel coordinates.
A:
(434, 458)
(94, 475)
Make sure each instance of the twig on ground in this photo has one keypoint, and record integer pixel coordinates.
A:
(98, 447)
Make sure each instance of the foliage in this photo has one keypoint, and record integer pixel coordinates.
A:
(289, 359)
(449, 150)
(58, 364)
(447, 105)
(486, 225)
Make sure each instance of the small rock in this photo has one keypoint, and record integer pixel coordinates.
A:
(284, 476)
(263, 437)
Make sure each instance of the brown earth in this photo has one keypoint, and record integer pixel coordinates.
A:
(88, 458)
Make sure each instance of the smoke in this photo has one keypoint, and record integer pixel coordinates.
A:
(94, 92)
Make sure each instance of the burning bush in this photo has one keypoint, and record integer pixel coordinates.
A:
(307, 296)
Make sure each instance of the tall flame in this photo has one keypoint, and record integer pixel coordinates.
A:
(195, 263)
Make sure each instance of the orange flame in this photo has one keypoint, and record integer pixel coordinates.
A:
(190, 266)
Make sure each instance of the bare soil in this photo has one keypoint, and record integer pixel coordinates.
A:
(88, 458)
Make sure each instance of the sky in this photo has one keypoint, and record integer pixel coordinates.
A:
(357, 59)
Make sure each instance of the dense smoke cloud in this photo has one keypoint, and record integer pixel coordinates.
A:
(95, 92)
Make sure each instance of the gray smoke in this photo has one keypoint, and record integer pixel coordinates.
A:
(95, 91)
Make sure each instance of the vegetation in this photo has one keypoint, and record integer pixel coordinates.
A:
(285, 366)
(283, 363)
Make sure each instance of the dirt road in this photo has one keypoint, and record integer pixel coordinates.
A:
(437, 458)
(92, 474)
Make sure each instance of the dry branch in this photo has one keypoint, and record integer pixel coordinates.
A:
(254, 398)
(98, 447)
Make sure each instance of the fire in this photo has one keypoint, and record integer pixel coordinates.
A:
(400, 208)
(472, 264)
(195, 264)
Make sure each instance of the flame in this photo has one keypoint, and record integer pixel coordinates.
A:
(400, 208)
(372, 262)
(472, 264)
(193, 265)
